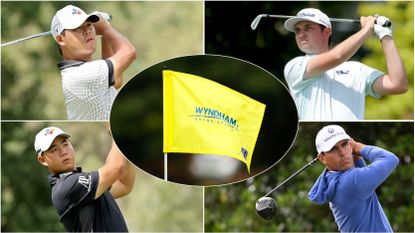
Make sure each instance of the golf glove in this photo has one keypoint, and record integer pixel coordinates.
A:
(380, 30)
(104, 15)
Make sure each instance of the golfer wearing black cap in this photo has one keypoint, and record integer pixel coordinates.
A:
(84, 200)
(348, 185)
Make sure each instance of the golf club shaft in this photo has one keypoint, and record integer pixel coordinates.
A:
(331, 19)
(27, 38)
(255, 22)
(292, 176)
(106, 16)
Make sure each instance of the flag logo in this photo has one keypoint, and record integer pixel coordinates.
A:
(244, 152)
(204, 117)
(215, 116)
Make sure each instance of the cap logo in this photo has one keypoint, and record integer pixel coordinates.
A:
(330, 130)
(306, 14)
(56, 28)
(76, 11)
(49, 131)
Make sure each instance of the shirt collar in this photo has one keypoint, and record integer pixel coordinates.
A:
(53, 178)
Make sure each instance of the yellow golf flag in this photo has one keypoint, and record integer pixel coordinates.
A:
(202, 116)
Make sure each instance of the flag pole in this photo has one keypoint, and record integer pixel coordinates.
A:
(165, 166)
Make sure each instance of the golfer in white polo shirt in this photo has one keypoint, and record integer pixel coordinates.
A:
(324, 84)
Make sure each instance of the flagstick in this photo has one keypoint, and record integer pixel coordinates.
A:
(165, 166)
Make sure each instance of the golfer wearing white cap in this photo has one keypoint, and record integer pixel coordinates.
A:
(84, 200)
(348, 185)
(324, 84)
(89, 87)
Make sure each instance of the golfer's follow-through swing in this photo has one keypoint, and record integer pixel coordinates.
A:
(325, 83)
(347, 184)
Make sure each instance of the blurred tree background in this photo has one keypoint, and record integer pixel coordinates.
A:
(232, 208)
(26, 194)
(228, 32)
(31, 85)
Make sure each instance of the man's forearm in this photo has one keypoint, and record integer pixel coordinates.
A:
(396, 69)
(338, 55)
(128, 175)
(346, 49)
(115, 159)
(123, 53)
(118, 43)
(106, 49)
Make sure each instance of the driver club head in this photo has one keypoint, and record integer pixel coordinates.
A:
(266, 207)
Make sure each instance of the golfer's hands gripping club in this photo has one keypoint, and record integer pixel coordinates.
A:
(381, 27)
(103, 15)
(103, 22)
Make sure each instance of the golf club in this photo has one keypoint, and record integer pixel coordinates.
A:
(106, 16)
(266, 206)
(255, 22)
(27, 38)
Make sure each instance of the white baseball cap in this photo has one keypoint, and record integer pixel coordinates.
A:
(45, 138)
(328, 136)
(308, 14)
(70, 17)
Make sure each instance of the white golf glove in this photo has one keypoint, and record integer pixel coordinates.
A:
(104, 15)
(381, 30)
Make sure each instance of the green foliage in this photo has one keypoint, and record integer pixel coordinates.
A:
(402, 17)
(232, 208)
(153, 206)
(31, 86)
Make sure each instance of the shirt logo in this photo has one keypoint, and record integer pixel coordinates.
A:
(342, 72)
(84, 181)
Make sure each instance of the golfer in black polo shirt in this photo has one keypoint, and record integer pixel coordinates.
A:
(84, 200)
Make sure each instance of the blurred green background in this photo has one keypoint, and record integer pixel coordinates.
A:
(153, 206)
(31, 85)
(228, 32)
(232, 208)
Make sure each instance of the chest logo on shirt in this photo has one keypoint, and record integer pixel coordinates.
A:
(84, 181)
(342, 72)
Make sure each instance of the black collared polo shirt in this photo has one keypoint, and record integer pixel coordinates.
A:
(73, 196)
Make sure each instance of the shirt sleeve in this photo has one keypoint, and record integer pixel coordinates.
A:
(364, 180)
(370, 75)
(360, 163)
(111, 78)
(82, 188)
(294, 74)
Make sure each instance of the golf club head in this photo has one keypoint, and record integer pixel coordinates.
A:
(255, 22)
(266, 207)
